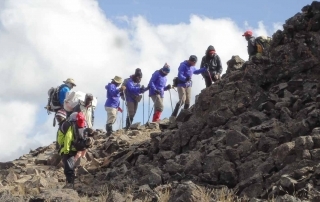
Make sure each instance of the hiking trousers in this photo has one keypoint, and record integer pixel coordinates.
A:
(158, 102)
(111, 114)
(132, 108)
(184, 95)
(68, 162)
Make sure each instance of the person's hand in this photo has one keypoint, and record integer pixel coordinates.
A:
(168, 87)
(217, 76)
(142, 89)
(188, 78)
(122, 88)
(157, 92)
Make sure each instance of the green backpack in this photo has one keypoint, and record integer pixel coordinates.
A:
(262, 42)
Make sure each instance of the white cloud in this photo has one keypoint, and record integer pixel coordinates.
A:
(45, 42)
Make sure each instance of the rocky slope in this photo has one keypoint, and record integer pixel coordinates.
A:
(256, 132)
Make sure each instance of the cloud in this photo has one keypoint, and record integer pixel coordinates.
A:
(45, 42)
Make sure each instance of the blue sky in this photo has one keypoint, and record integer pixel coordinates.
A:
(177, 11)
(45, 42)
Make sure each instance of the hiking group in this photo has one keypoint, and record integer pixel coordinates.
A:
(74, 110)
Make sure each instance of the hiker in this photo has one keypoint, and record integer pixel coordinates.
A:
(64, 89)
(87, 109)
(65, 138)
(68, 133)
(185, 72)
(252, 49)
(112, 104)
(133, 95)
(211, 61)
(157, 86)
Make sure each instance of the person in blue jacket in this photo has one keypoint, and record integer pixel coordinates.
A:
(157, 86)
(132, 93)
(112, 105)
(64, 89)
(185, 72)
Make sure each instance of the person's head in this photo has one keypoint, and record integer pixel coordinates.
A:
(211, 51)
(192, 60)
(117, 80)
(70, 83)
(61, 116)
(88, 99)
(248, 34)
(165, 70)
(137, 76)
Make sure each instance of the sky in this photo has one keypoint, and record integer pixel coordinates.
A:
(45, 42)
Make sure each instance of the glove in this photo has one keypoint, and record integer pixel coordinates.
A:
(157, 92)
(188, 78)
(217, 76)
(119, 109)
(142, 89)
(122, 88)
(168, 87)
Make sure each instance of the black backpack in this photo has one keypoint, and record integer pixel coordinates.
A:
(80, 141)
(53, 99)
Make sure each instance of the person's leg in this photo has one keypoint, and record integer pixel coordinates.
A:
(207, 81)
(112, 116)
(68, 161)
(131, 112)
(158, 107)
(182, 98)
(188, 97)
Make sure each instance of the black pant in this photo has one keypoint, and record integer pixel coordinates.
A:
(208, 80)
(68, 161)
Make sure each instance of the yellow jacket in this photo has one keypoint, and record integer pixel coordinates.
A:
(65, 138)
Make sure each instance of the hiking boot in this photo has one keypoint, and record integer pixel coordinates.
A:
(109, 129)
(186, 106)
(68, 186)
(176, 110)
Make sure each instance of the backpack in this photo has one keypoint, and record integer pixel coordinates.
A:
(53, 99)
(124, 83)
(73, 98)
(175, 82)
(80, 140)
(262, 42)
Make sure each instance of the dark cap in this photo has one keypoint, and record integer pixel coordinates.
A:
(138, 73)
(193, 58)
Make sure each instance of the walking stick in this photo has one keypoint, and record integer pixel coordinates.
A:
(171, 100)
(143, 108)
(122, 115)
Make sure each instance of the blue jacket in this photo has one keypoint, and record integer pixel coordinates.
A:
(184, 71)
(132, 90)
(64, 89)
(157, 82)
(113, 96)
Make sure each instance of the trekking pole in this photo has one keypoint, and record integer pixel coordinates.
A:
(171, 100)
(150, 113)
(149, 108)
(125, 99)
(210, 76)
(143, 108)
(122, 115)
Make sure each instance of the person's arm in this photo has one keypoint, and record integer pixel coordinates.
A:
(152, 82)
(133, 89)
(113, 90)
(181, 77)
(199, 71)
(219, 65)
(203, 64)
(92, 116)
(62, 94)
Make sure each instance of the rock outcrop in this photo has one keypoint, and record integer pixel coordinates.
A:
(257, 132)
